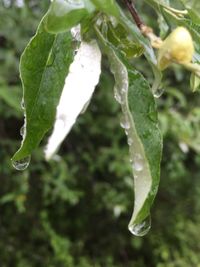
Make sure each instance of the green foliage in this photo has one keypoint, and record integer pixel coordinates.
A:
(43, 68)
(42, 89)
(141, 126)
(63, 15)
(108, 6)
(74, 211)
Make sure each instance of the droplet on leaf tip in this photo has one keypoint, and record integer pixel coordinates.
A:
(22, 164)
(158, 92)
(141, 229)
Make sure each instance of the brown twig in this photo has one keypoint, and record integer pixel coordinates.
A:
(134, 13)
(145, 30)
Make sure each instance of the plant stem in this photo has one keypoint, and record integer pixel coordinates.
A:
(134, 13)
(147, 31)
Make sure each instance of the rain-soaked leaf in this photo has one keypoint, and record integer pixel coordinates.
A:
(43, 68)
(79, 86)
(140, 123)
(63, 15)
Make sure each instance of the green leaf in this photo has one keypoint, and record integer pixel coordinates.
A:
(119, 37)
(108, 6)
(43, 68)
(141, 126)
(63, 15)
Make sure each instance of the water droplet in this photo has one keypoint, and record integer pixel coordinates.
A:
(137, 166)
(123, 72)
(118, 97)
(22, 164)
(125, 88)
(141, 229)
(22, 130)
(126, 132)
(158, 92)
(138, 163)
(130, 141)
(124, 123)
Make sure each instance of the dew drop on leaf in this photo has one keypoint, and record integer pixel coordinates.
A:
(22, 130)
(158, 92)
(117, 97)
(141, 229)
(124, 123)
(125, 88)
(130, 141)
(22, 164)
(138, 163)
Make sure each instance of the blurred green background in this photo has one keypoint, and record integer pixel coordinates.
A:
(74, 212)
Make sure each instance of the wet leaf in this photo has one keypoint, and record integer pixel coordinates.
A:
(140, 123)
(79, 86)
(43, 68)
(63, 15)
(108, 6)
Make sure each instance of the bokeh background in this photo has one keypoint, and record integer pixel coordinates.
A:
(74, 212)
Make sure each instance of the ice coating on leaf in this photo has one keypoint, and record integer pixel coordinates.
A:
(79, 86)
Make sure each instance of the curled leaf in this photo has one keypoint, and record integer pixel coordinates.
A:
(43, 68)
(140, 123)
(63, 15)
(79, 86)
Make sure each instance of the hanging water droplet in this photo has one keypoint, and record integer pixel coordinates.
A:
(138, 163)
(141, 229)
(158, 92)
(22, 164)
(124, 123)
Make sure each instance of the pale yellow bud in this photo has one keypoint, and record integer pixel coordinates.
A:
(177, 47)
